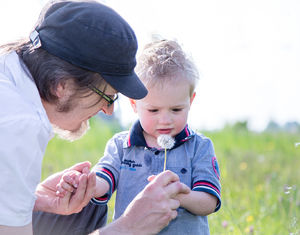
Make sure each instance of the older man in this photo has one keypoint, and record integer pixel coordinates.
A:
(79, 56)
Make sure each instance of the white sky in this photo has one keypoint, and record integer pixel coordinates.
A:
(247, 52)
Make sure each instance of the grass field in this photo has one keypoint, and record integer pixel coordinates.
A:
(260, 176)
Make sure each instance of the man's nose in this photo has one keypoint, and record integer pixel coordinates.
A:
(108, 109)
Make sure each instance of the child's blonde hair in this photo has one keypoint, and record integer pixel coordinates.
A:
(164, 60)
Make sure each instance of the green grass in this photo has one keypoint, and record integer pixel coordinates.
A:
(260, 183)
(61, 154)
(260, 176)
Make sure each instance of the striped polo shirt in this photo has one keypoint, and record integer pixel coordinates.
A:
(128, 161)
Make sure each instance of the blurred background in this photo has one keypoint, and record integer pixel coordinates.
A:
(248, 56)
(247, 53)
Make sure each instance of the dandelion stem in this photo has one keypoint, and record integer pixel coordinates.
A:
(165, 163)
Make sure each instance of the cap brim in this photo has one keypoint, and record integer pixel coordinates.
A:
(129, 85)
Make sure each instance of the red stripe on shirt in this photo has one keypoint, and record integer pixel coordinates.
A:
(206, 184)
(111, 176)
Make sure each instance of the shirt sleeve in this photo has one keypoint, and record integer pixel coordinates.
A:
(108, 167)
(23, 140)
(206, 174)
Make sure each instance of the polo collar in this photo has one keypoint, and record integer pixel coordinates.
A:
(136, 137)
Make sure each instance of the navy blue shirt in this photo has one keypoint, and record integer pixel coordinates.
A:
(91, 218)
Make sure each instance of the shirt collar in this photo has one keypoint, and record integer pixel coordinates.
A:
(136, 137)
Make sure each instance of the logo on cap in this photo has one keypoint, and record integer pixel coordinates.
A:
(35, 39)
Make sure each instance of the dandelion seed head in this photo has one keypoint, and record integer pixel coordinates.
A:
(165, 141)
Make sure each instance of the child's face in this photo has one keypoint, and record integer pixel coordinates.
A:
(164, 110)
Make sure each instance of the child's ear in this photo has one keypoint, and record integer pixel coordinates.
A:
(133, 104)
(192, 98)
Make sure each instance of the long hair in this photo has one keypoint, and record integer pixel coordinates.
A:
(48, 71)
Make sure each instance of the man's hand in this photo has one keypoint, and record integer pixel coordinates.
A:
(48, 201)
(152, 209)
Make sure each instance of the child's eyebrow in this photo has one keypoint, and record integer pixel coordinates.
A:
(179, 105)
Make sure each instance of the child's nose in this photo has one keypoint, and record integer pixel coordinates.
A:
(165, 118)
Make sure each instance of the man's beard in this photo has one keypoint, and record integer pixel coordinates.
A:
(71, 135)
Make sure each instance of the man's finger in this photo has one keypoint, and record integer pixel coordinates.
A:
(84, 192)
(176, 187)
(151, 177)
(90, 187)
(174, 204)
(174, 214)
(65, 201)
(89, 191)
(165, 178)
(79, 195)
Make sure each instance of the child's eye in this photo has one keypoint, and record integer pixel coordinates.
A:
(176, 110)
(152, 110)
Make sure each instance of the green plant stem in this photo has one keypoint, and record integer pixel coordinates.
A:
(165, 163)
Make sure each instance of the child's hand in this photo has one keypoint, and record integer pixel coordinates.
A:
(68, 183)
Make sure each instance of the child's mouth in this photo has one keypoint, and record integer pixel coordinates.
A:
(164, 131)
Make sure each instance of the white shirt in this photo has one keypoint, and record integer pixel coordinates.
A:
(24, 134)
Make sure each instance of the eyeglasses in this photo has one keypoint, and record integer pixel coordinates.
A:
(104, 96)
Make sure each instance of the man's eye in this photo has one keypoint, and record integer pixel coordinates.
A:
(152, 110)
(176, 110)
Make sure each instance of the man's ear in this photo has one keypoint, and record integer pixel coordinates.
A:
(192, 98)
(133, 104)
(65, 89)
(60, 89)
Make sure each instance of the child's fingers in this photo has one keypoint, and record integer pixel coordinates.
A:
(60, 194)
(68, 183)
(73, 178)
(70, 179)
(64, 186)
(86, 170)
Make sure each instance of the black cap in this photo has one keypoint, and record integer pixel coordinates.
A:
(94, 37)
